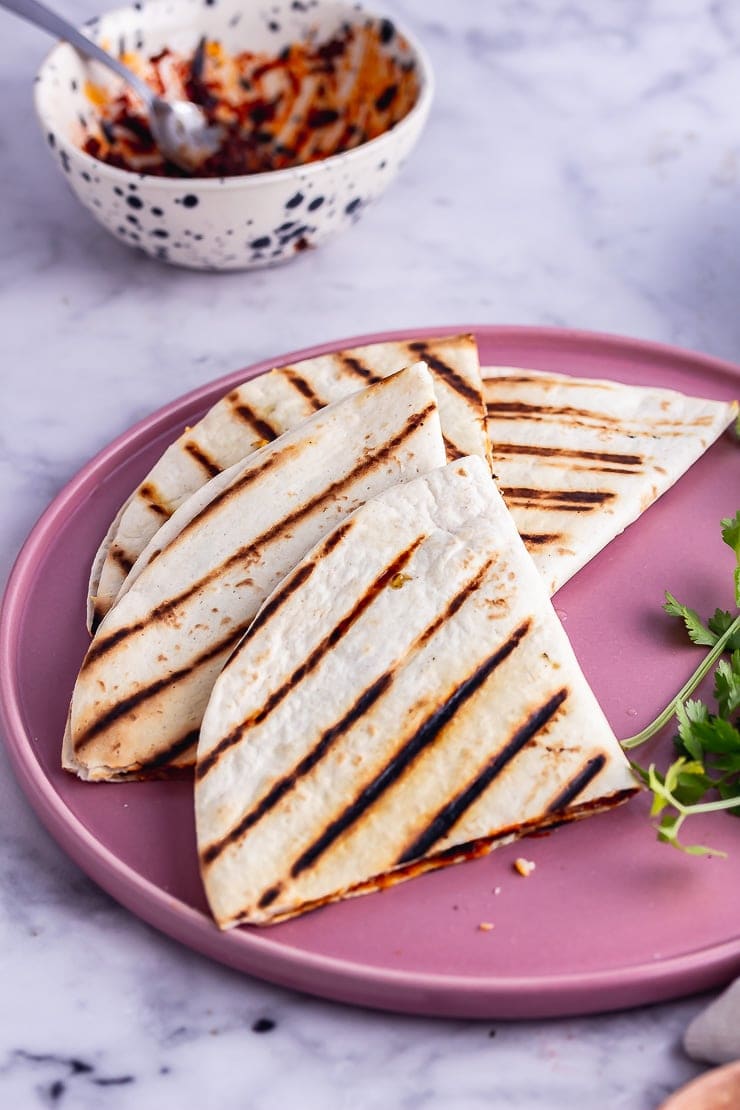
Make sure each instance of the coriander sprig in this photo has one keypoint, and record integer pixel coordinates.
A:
(720, 645)
(708, 743)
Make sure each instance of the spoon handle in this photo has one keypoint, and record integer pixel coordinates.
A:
(43, 17)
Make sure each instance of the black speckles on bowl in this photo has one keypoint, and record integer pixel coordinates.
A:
(220, 224)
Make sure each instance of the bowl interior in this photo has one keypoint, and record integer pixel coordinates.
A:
(64, 81)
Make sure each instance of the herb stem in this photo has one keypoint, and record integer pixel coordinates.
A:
(686, 690)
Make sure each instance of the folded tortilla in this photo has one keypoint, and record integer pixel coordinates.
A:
(145, 681)
(405, 699)
(579, 459)
(263, 408)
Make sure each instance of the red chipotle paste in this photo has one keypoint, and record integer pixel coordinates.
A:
(312, 100)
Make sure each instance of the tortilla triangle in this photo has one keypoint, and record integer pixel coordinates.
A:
(578, 459)
(406, 698)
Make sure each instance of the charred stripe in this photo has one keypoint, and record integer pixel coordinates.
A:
(550, 506)
(537, 539)
(269, 896)
(119, 556)
(246, 413)
(562, 496)
(522, 408)
(360, 707)
(453, 451)
(450, 814)
(575, 468)
(329, 641)
(578, 783)
(197, 453)
(424, 735)
(542, 380)
(303, 387)
(349, 362)
(170, 753)
(453, 379)
(568, 452)
(153, 501)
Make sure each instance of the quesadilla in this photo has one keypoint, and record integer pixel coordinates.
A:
(406, 698)
(145, 681)
(263, 408)
(578, 459)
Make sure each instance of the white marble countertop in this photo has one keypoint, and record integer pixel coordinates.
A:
(580, 168)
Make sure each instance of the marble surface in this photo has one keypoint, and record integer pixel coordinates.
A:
(580, 168)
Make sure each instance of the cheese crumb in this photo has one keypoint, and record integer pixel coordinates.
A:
(497, 890)
(398, 580)
(524, 866)
(485, 926)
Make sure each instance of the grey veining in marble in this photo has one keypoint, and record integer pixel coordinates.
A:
(581, 167)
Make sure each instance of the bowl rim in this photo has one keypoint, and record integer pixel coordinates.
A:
(418, 112)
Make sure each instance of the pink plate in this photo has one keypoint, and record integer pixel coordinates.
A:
(608, 919)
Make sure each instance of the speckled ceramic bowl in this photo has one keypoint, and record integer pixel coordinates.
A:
(219, 223)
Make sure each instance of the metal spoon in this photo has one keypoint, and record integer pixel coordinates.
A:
(180, 128)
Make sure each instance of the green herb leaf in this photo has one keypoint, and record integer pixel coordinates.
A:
(727, 685)
(731, 536)
(697, 630)
(689, 714)
(731, 533)
(719, 622)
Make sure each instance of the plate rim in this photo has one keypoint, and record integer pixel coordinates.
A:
(252, 951)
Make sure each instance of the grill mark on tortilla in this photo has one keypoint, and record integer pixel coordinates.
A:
(450, 376)
(119, 556)
(506, 409)
(567, 452)
(146, 693)
(302, 386)
(171, 752)
(578, 783)
(512, 410)
(421, 738)
(563, 464)
(453, 451)
(367, 463)
(246, 413)
(312, 660)
(270, 895)
(489, 383)
(539, 538)
(564, 497)
(365, 701)
(149, 493)
(349, 362)
(197, 453)
(453, 810)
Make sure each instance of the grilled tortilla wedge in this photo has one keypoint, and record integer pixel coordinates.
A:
(145, 681)
(406, 698)
(262, 409)
(578, 459)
